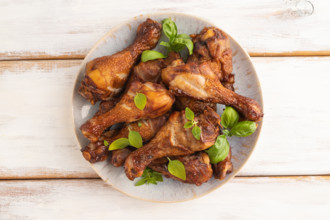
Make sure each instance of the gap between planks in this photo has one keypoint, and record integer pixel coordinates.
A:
(82, 56)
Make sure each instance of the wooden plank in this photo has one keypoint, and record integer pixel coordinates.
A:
(68, 29)
(37, 140)
(247, 198)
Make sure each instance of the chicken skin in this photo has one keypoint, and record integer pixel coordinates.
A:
(174, 140)
(213, 45)
(159, 101)
(181, 102)
(197, 166)
(96, 151)
(106, 76)
(222, 168)
(198, 81)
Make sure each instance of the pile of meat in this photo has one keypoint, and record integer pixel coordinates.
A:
(170, 86)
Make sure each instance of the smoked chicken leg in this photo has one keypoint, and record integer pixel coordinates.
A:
(198, 81)
(106, 76)
(213, 45)
(159, 101)
(197, 166)
(174, 140)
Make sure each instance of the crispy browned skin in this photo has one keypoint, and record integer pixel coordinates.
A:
(106, 76)
(159, 101)
(223, 167)
(96, 151)
(181, 102)
(212, 44)
(174, 140)
(197, 166)
(150, 71)
(200, 82)
(118, 157)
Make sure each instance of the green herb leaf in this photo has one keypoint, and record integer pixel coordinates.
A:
(196, 131)
(119, 144)
(149, 177)
(183, 36)
(243, 128)
(219, 151)
(184, 42)
(189, 114)
(169, 28)
(176, 168)
(166, 44)
(140, 100)
(135, 139)
(151, 55)
(229, 117)
(139, 124)
(226, 132)
(140, 182)
(189, 124)
(106, 143)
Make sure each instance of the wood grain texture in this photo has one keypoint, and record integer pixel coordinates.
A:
(242, 198)
(37, 139)
(68, 29)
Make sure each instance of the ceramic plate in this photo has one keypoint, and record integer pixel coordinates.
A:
(246, 84)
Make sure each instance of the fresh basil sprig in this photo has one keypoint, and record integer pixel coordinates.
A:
(134, 139)
(229, 120)
(140, 100)
(176, 168)
(149, 177)
(190, 116)
(177, 42)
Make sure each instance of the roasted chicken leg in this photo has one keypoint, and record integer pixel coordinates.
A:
(106, 76)
(197, 166)
(159, 101)
(174, 140)
(200, 82)
(213, 45)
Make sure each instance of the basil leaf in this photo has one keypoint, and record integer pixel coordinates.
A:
(183, 36)
(243, 128)
(169, 28)
(140, 100)
(189, 124)
(151, 55)
(176, 168)
(229, 117)
(166, 44)
(135, 139)
(184, 42)
(149, 176)
(106, 143)
(226, 132)
(219, 151)
(196, 131)
(140, 182)
(119, 144)
(189, 114)
(139, 124)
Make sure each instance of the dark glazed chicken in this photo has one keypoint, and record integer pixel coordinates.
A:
(213, 45)
(174, 140)
(159, 101)
(197, 166)
(96, 151)
(223, 167)
(106, 76)
(198, 81)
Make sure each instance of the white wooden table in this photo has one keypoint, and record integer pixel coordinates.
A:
(43, 174)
